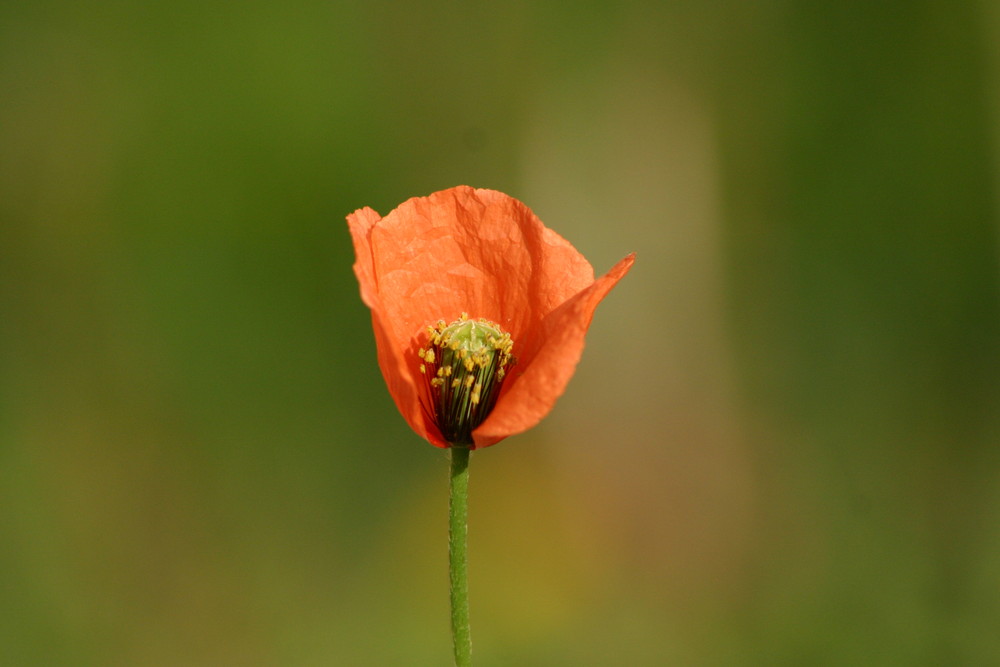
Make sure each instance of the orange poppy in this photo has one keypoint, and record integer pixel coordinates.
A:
(479, 311)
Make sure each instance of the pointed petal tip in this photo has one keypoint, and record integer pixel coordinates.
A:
(528, 403)
(624, 264)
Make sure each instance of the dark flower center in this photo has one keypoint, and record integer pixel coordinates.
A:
(464, 364)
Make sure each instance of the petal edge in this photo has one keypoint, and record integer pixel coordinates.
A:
(533, 394)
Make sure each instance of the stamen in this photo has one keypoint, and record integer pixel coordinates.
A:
(475, 355)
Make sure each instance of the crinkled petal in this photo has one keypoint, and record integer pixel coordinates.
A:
(479, 252)
(399, 377)
(531, 395)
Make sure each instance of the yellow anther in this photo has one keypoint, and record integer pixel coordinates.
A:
(429, 356)
(423, 369)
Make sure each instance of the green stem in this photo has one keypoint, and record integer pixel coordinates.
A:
(458, 557)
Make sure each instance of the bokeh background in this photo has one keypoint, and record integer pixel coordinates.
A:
(780, 448)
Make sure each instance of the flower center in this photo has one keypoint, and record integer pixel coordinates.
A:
(464, 363)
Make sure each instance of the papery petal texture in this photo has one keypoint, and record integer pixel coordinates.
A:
(484, 253)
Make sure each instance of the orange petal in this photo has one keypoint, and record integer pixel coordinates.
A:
(398, 375)
(475, 251)
(403, 383)
(531, 396)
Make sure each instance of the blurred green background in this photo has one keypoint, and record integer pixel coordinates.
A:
(782, 446)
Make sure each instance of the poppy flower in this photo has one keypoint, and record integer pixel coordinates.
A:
(479, 311)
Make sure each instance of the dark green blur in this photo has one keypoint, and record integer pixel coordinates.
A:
(782, 446)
